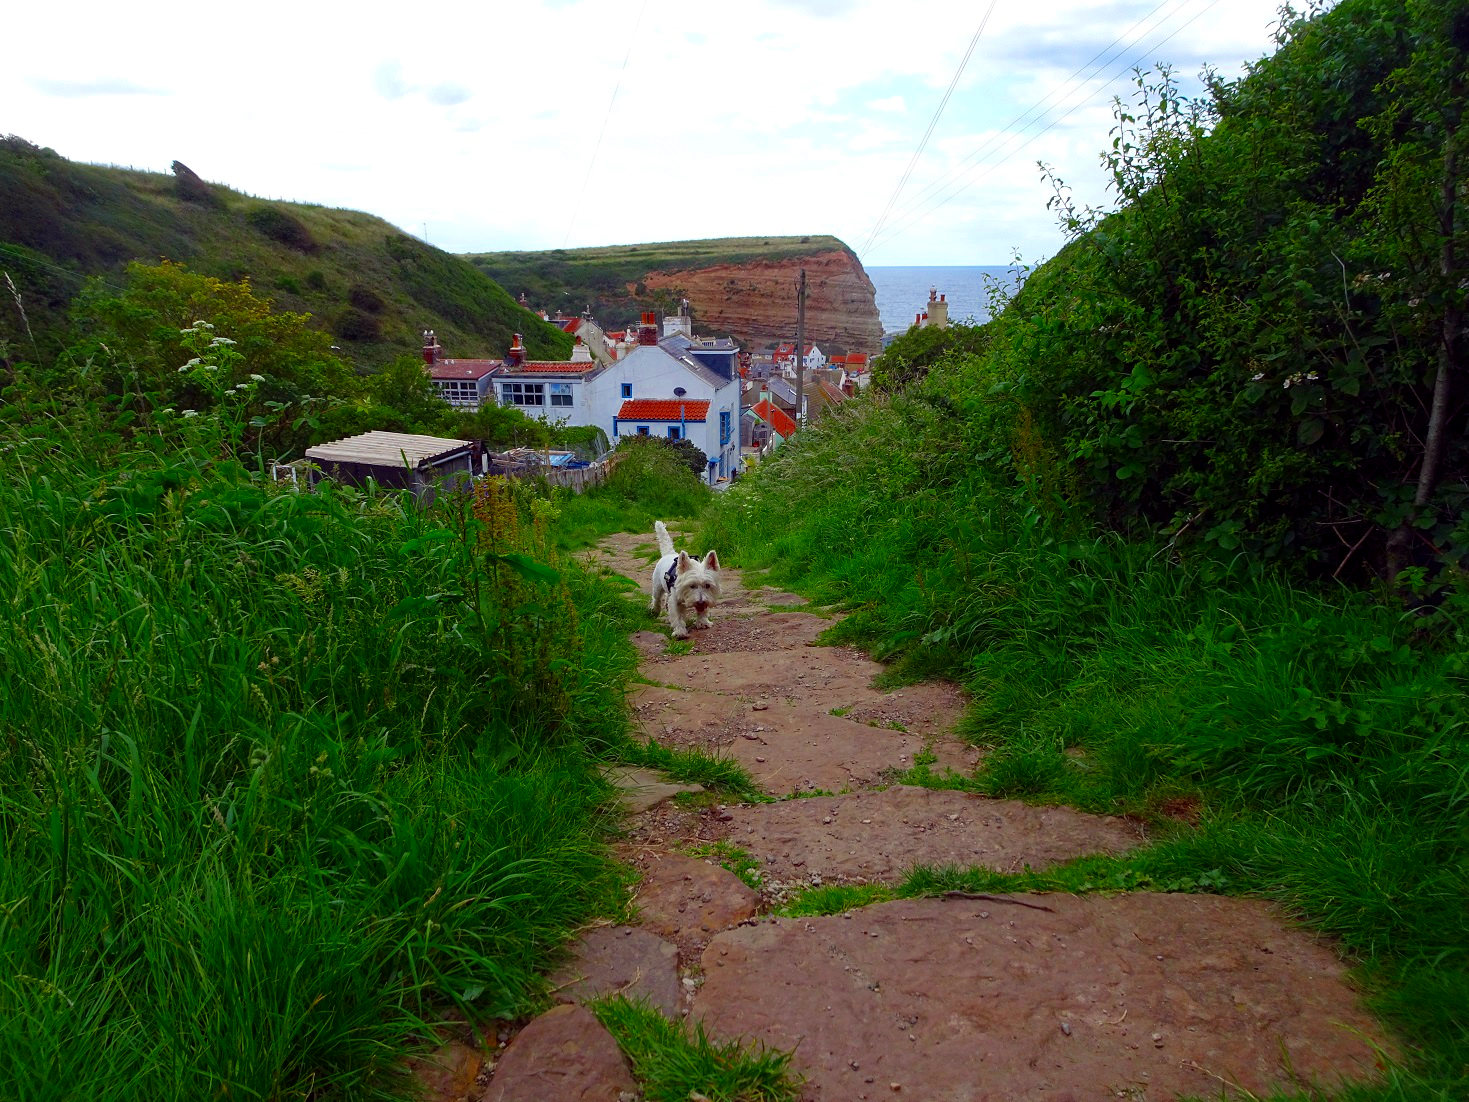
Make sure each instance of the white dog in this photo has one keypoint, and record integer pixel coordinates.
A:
(688, 586)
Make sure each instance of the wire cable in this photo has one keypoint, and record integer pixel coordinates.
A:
(932, 122)
(606, 119)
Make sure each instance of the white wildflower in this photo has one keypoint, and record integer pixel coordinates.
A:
(191, 413)
(196, 360)
(203, 325)
(257, 378)
(220, 340)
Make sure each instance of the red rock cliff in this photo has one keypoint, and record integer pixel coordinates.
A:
(756, 302)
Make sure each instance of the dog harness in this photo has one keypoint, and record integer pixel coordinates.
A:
(670, 576)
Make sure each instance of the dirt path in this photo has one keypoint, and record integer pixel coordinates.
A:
(1142, 996)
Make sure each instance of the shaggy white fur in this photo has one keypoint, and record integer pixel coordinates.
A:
(688, 587)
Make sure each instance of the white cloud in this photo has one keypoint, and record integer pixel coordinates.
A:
(767, 117)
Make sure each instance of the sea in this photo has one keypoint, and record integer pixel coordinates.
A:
(902, 292)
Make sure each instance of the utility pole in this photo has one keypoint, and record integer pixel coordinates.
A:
(800, 347)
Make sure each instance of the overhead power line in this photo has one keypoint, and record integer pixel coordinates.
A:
(932, 122)
(606, 120)
(1003, 146)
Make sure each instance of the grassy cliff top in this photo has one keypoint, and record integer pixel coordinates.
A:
(664, 255)
(608, 278)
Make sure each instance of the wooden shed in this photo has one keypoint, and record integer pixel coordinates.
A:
(398, 459)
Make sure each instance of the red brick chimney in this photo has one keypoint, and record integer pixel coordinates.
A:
(516, 356)
(648, 328)
(430, 347)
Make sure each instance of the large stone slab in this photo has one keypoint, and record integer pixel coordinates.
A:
(1141, 996)
(880, 835)
(621, 960)
(690, 900)
(565, 1055)
(838, 680)
(640, 789)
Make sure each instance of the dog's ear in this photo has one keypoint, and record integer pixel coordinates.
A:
(684, 562)
(711, 560)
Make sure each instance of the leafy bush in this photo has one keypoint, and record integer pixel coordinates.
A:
(1251, 352)
(353, 324)
(282, 227)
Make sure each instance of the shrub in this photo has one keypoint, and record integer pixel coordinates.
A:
(282, 227)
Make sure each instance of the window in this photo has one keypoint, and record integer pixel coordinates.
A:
(627, 390)
(673, 432)
(523, 394)
(724, 426)
(561, 394)
(643, 430)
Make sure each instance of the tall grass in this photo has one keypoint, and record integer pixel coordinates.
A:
(281, 774)
(649, 482)
(1319, 737)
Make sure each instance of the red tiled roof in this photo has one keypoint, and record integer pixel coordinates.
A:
(774, 417)
(462, 369)
(856, 359)
(663, 409)
(569, 325)
(554, 367)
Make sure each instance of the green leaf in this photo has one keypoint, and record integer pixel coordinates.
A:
(528, 567)
(420, 542)
(1310, 431)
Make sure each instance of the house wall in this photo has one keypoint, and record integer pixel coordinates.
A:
(653, 373)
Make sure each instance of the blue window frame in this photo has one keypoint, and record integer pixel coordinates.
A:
(643, 430)
(724, 426)
(627, 390)
(673, 432)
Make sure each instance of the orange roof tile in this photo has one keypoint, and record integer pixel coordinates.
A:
(775, 417)
(663, 409)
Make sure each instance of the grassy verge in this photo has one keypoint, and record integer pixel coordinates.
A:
(284, 773)
(648, 484)
(1318, 736)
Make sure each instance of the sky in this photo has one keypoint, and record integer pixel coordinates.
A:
(544, 124)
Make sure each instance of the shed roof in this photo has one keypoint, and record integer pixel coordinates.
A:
(386, 449)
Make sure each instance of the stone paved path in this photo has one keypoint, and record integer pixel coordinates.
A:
(1141, 996)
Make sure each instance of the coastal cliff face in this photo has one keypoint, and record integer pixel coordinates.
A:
(755, 301)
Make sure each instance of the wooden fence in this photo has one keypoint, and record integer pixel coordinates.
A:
(575, 479)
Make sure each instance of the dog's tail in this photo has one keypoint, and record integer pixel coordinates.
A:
(665, 541)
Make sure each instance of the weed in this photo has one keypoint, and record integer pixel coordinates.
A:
(673, 1064)
(830, 899)
(732, 858)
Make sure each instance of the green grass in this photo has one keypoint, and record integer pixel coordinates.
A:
(692, 766)
(284, 774)
(731, 858)
(674, 1064)
(648, 484)
(1320, 735)
(89, 220)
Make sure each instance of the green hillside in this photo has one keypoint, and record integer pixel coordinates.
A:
(572, 279)
(371, 286)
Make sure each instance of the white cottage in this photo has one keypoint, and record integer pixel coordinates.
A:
(680, 387)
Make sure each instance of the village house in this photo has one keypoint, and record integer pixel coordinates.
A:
(785, 358)
(936, 314)
(676, 387)
(464, 384)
